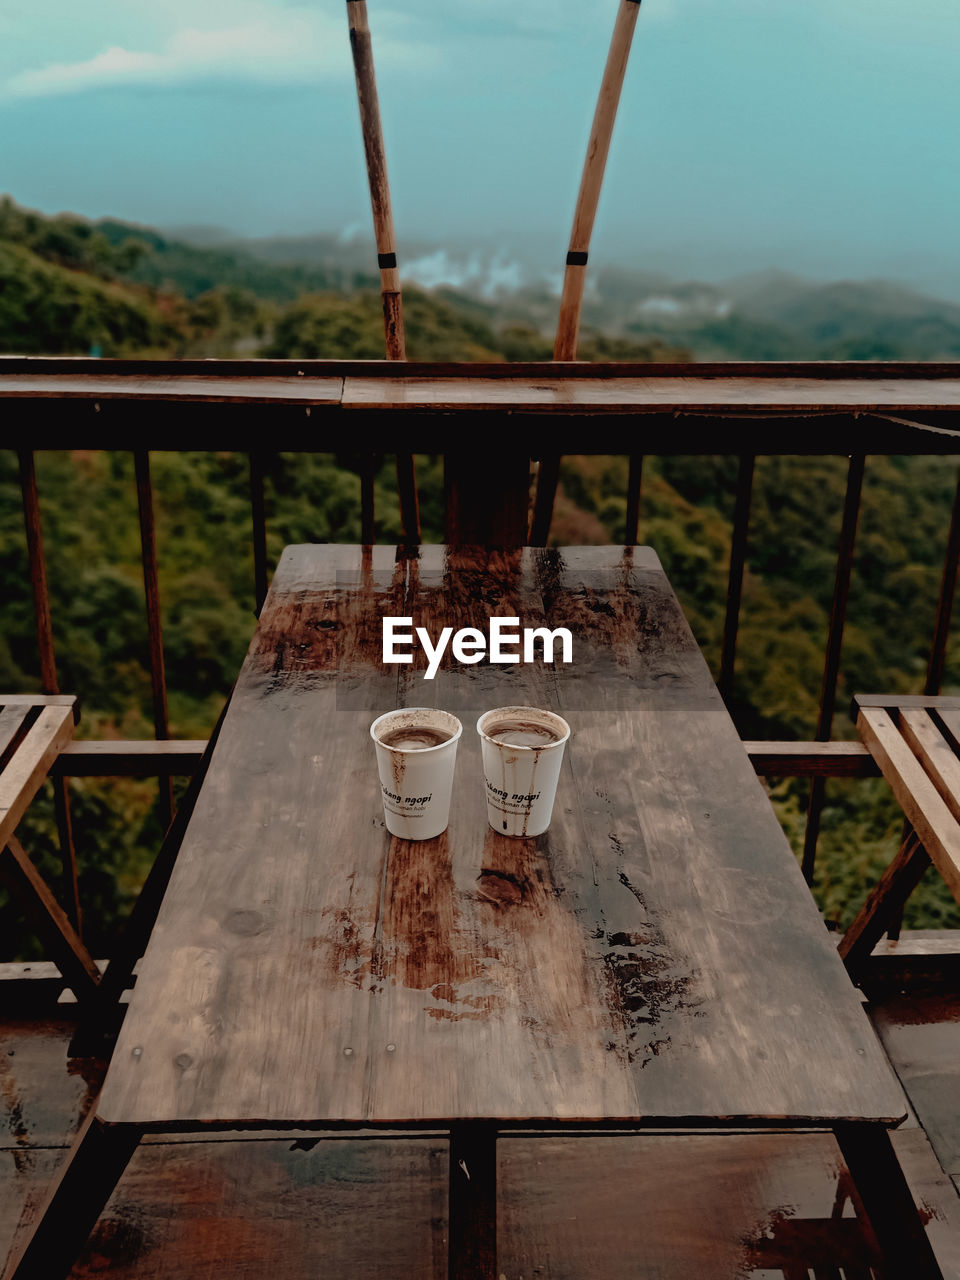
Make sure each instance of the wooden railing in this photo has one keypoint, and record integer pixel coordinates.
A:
(487, 484)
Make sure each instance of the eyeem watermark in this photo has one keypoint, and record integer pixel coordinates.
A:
(506, 643)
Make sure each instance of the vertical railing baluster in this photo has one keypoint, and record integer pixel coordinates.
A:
(831, 666)
(38, 571)
(48, 672)
(548, 477)
(634, 487)
(151, 586)
(738, 556)
(368, 467)
(948, 586)
(409, 502)
(258, 515)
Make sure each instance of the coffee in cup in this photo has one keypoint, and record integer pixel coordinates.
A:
(522, 750)
(416, 755)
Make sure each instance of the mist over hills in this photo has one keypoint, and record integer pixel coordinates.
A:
(766, 315)
(71, 285)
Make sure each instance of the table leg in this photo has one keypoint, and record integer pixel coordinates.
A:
(473, 1201)
(887, 1201)
(74, 1201)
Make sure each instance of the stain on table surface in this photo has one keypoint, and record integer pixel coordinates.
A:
(654, 954)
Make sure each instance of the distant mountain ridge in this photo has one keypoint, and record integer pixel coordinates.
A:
(765, 315)
(205, 291)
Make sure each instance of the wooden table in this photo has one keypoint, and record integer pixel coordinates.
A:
(654, 960)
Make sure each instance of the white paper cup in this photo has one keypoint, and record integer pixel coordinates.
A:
(415, 781)
(521, 781)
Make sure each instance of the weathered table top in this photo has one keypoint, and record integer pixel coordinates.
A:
(656, 956)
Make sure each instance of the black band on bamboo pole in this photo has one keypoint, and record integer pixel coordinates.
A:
(634, 487)
(48, 671)
(259, 518)
(588, 197)
(548, 477)
(831, 667)
(151, 586)
(948, 586)
(738, 556)
(370, 124)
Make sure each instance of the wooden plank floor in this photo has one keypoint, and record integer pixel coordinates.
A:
(921, 1034)
(647, 1207)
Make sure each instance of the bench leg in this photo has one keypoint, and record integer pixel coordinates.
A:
(887, 1202)
(76, 1198)
(883, 904)
(473, 1201)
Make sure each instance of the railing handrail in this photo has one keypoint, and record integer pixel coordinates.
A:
(259, 368)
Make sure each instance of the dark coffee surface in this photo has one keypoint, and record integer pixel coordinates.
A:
(514, 732)
(411, 738)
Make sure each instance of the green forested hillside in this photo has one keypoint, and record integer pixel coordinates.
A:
(90, 524)
(65, 287)
(72, 287)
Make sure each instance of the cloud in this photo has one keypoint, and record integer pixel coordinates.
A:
(271, 46)
(488, 276)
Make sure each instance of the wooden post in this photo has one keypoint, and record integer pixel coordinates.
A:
(151, 585)
(831, 666)
(48, 671)
(548, 477)
(38, 571)
(948, 586)
(362, 49)
(487, 497)
(634, 486)
(738, 558)
(368, 468)
(258, 513)
(568, 326)
(409, 501)
(473, 1201)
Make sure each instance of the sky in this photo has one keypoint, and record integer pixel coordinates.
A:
(817, 136)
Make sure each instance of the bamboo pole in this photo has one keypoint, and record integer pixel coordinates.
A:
(362, 49)
(568, 325)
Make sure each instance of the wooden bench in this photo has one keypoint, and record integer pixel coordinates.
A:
(33, 731)
(914, 741)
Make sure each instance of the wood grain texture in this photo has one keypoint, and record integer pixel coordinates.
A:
(175, 386)
(916, 793)
(23, 775)
(42, 700)
(934, 753)
(628, 1207)
(805, 759)
(629, 395)
(12, 720)
(655, 955)
(587, 390)
(625, 1206)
